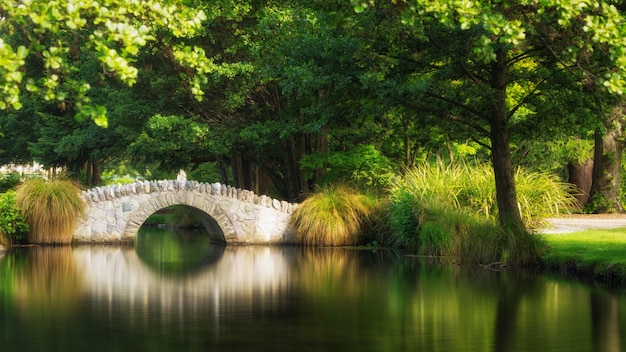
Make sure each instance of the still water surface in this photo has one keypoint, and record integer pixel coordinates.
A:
(176, 292)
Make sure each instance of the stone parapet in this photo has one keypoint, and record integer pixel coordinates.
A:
(110, 192)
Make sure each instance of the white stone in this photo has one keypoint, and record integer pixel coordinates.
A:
(115, 213)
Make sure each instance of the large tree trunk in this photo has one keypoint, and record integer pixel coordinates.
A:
(322, 147)
(221, 165)
(96, 174)
(290, 173)
(88, 174)
(238, 170)
(506, 196)
(579, 174)
(93, 173)
(607, 167)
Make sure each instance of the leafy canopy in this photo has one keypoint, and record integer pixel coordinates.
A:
(42, 46)
(586, 26)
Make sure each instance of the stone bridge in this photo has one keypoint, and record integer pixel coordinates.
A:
(114, 214)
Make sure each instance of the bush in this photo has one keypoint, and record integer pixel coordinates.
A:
(333, 216)
(51, 209)
(363, 165)
(9, 181)
(13, 227)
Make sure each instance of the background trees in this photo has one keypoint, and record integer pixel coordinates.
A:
(280, 96)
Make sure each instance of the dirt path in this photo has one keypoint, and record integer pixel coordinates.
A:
(576, 222)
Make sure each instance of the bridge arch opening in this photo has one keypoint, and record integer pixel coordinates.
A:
(212, 217)
(177, 216)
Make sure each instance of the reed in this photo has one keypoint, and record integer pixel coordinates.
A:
(51, 209)
(333, 216)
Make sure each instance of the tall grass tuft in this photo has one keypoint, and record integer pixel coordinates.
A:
(472, 187)
(51, 209)
(333, 216)
(451, 210)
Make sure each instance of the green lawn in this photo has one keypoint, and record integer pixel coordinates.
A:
(599, 253)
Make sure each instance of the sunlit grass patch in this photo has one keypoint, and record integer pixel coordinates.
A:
(592, 247)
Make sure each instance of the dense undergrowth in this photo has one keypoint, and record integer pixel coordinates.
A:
(432, 210)
(436, 210)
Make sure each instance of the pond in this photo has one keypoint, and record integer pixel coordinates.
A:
(175, 291)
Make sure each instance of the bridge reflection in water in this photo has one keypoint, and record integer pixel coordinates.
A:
(254, 278)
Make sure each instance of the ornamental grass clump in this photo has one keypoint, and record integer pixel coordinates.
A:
(51, 209)
(333, 216)
(451, 210)
(472, 187)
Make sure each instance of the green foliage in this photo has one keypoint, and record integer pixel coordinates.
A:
(175, 216)
(13, 227)
(542, 195)
(9, 181)
(333, 216)
(487, 243)
(598, 203)
(115, 34)
(363, 165)
(51, 209)
(403, 218)
(173, 142)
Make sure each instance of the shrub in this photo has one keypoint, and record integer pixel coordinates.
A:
(13, 227)
(333, 216)
(403, 219)
(51, 209)
(363, 165)
(9, 181)
(485, 242)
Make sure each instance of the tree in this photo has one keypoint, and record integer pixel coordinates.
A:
(477, 51)
(604, 196)
(43, 43)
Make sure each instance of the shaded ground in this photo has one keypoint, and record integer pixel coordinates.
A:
(578, 222)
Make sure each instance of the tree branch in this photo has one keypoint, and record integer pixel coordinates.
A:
(468, 123)
(457, 104)
(524, 101)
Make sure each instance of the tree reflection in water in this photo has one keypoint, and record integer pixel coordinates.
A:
(250, 298)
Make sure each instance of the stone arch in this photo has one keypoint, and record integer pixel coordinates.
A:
(116, 212)
(212, 216)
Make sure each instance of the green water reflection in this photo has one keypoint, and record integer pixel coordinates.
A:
(175, 252)
(286, 299)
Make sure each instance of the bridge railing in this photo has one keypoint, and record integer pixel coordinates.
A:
(110, 192)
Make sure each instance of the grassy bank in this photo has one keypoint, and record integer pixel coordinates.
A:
(598, 255)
